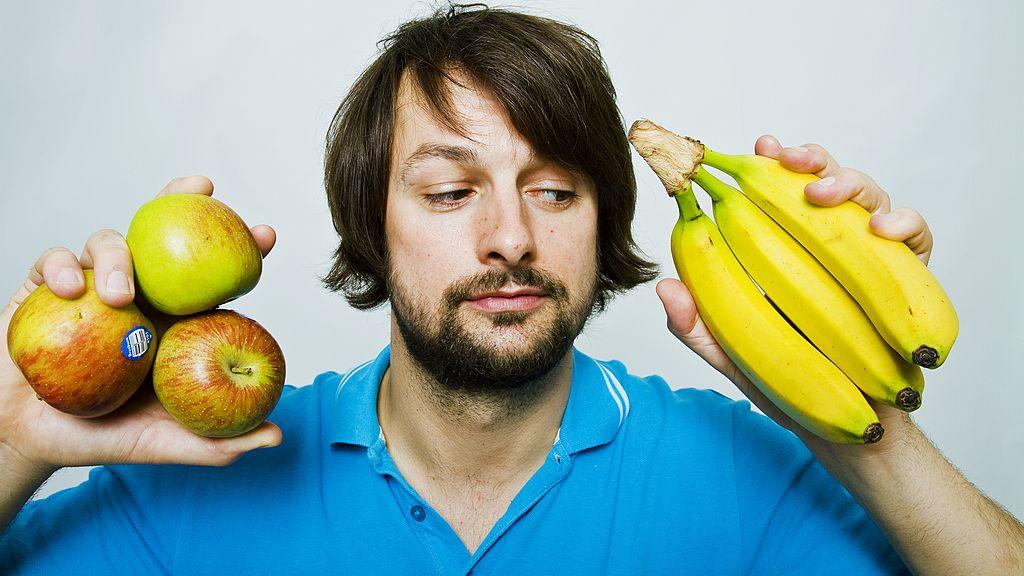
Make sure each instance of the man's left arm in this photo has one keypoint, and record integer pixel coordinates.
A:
(936, 520)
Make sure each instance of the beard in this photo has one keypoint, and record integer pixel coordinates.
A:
(466, 365)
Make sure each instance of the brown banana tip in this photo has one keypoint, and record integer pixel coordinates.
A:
(873, 433)
(673, 158)
(908, 399)
(925, 356)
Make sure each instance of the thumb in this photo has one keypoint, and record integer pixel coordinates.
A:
(685, 323)
(680, 308)
(223, 451)
(266, 435)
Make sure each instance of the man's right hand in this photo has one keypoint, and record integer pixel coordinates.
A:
(141, 431)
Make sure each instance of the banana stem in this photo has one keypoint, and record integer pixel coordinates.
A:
(715, 188)
(724, 162)
(688, 207)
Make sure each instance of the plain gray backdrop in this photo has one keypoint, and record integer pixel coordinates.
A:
(103, 103)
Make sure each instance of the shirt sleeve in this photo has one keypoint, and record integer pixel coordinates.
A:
(122, 520)
(796, 518)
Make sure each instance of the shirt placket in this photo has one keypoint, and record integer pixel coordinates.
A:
(438, 538)
(555, 468)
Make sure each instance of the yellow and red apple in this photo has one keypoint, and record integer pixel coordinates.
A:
(218, 373)
(80, 355)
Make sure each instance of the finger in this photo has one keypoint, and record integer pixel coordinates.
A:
(848, 184)
(188, 185)
(224, 451)
(180, 446)
(680, 308)
(769, 146)
(808, 159)
(60, 271)
(266, 435)
(107, 254)
(905, 225)
(265, 237)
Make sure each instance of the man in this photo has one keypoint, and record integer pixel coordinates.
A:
(480, 181)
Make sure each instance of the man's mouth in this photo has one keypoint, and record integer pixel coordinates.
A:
(508, 300)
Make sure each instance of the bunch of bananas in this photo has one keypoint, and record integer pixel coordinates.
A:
(844, 313)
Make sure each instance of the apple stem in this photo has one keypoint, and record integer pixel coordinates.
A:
(236, 370)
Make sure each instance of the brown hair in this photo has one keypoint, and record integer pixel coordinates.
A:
(553, 83)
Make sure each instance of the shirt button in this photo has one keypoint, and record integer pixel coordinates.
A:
(418, 514)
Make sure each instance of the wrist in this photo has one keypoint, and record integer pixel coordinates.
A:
(14, 461)
(856, 465)
(20, 477)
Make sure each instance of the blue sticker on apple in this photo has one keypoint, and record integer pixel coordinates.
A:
(136, 342)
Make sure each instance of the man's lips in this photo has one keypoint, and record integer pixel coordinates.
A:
(507, 300)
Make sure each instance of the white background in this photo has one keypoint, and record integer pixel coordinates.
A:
(102, 103)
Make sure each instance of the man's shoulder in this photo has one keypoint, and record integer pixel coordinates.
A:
(652, 396)
(298, 397)
(657, 409)
(301, 401)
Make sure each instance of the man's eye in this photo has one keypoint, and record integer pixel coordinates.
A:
(447, 198)
(557, 196)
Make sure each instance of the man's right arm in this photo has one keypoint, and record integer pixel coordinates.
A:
(19, 481)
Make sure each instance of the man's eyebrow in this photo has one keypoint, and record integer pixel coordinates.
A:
(424, 152)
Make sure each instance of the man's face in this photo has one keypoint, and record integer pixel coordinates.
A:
(492, 248)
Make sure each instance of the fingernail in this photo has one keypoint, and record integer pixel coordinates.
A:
(888, 218)
(799, 149)
(825, 182)
(117, 283)
(67, 276)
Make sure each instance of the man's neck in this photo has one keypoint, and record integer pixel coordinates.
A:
(454, 437)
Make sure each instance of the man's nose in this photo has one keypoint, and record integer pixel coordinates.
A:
(507, 234)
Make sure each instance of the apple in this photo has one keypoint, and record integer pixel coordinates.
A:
(218, 373)
(80, 355)
(191, 253)
(160, 320)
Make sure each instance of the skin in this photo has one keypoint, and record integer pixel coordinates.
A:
(469, 456)
(479, 455)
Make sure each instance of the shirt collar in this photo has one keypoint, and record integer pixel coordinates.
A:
(597, 406)
(354, 420)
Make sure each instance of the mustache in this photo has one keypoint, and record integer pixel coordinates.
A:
(494, 280)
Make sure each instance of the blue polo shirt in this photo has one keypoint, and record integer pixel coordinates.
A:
(640, 480)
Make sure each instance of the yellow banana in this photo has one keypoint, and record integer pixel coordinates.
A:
(897, 291)
(812, 298)
(780, 362)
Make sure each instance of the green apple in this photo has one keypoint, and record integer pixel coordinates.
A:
(218, 373)
(191, 253)
(81, 356)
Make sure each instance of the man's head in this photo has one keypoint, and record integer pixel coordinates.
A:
(480, 179)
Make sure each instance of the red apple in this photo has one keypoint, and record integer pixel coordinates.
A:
(218, 373)
(81, 356)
